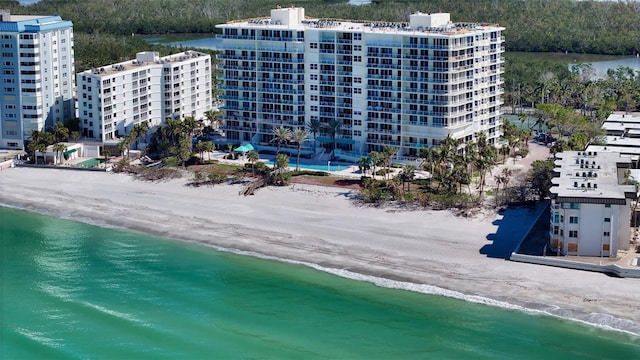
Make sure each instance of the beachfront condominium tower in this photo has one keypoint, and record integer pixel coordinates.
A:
(114, 98)
(590, 203)
(37, 75)
(370, 84)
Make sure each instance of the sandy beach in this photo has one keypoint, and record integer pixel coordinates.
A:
(324, 226)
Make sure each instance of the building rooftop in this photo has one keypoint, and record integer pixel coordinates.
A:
(622, 117)
(142, 59)
(419, 24)
(30, 23)
(591, 177)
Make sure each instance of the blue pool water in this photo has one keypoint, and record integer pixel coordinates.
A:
(315, 167)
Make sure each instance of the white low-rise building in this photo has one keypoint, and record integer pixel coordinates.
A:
(622, 136)
(113, 98)
(591, 204)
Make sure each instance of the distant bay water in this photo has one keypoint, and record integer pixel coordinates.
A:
(212, 43)
(73, 290)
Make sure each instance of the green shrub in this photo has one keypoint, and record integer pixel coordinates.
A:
(198, 176)
(171, 161)
(216, 178)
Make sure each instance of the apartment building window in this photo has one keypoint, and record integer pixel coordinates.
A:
(607, 205)
(556, 230)
(574, 219)
(357, 36)
(313, 66)
(607, 220)
(573, 234)
(313, 45)
(606, 234)
(357, 91)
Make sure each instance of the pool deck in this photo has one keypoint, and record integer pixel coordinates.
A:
(347, 170)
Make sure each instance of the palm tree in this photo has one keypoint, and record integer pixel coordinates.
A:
(504, 151)
(407, 174)
(60, 132)
(430, 156)
(123, 145)
(138, 131)
(253, 157)
(40, 148)
(446, 157)
(282, 161)
(364, 164)
(281, 135)
(172, 131)
(209, 147)
(191, 126)
(333, 127)
(183, 151)
(374, 159)
(75, 135)
(213, 118)
(200, 148)
(59, 148)
(36, 136)
(388, 152)
(314, 127)
(502, 179)
(230, 148)
(299, 136)
(513, 144)
(105, 153)
(483, 159)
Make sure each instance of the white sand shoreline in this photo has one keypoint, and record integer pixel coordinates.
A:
(315, 225)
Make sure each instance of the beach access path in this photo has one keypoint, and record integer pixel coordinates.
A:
(324, 226)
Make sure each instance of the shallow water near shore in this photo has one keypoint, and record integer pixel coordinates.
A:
(73, 290)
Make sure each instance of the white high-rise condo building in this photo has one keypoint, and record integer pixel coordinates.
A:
(113, 98)
(407, 85)
(37, 75)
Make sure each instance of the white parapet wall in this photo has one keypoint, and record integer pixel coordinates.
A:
(6, 164)
(559, 262)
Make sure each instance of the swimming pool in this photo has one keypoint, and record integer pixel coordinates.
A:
(91, 163)
(315, 167)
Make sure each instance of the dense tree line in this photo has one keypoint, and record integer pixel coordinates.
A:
(531, 25)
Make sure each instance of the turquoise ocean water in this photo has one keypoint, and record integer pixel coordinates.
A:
(73, 290)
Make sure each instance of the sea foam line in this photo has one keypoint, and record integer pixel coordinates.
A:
(602, 321)
(599, 320)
